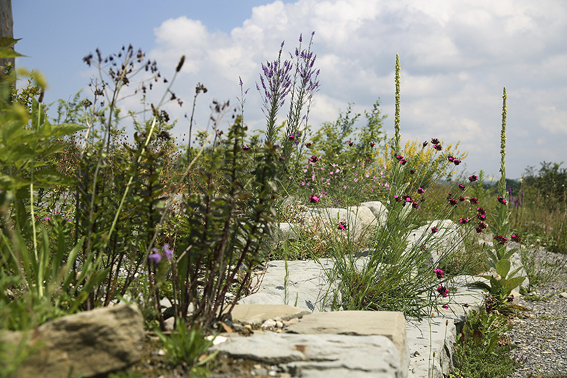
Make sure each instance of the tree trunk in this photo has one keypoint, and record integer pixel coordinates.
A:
(6, 28)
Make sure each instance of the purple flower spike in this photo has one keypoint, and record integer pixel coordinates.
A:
(155, 257)
(167, 251)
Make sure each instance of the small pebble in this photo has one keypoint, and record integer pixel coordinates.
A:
(270, 323)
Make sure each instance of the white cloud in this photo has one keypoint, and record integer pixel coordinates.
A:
(456, 56)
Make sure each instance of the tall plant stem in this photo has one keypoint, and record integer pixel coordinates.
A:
(502, 183)
(397, 115)
(200, 87)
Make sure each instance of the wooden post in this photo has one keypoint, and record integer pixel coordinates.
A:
(6, 28)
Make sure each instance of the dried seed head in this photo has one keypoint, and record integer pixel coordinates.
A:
(180, 64)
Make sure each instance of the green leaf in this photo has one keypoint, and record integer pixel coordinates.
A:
(513, 283)
(13, 182)
(503, 267)
(49, 177)
(8, 41)
(65, 129)
(45, 128)
(11, 129)
(15, 153)
(483, 285)
(514, 272)
(6, 52)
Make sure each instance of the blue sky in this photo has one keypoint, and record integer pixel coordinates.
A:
(456, 57)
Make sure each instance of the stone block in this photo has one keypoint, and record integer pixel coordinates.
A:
(390, 324)
(379, 210)
(259, 313)
(311, 356)
(447, 240)
(91, 343)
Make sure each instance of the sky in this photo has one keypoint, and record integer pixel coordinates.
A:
(456, 57)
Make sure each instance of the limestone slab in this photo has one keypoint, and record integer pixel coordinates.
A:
(390, 324)
(257, 313)
(313, 356)
(431, 345)
(379, 210)
(302, 284)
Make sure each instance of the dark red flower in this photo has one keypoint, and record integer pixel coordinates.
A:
(435, 141)
(473, 200)
(501, 239)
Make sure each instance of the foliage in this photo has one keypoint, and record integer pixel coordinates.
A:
(386, 280)
(479, 351)
(225, 221)
(340, 140)
(186, 346)
(426, 164)
(502, 281)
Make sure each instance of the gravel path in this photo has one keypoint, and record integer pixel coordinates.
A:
(541, 334)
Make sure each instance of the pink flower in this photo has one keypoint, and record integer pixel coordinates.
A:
(313, 199)
(342, 226)
(443, 291)
(439, 273)
(446, 306)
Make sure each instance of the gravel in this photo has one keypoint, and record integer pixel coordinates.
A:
(541, 334)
